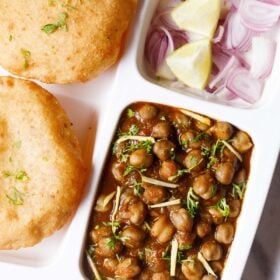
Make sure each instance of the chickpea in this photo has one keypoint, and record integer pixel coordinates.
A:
(110, 264)
(100, 207)
(185, 239)
(118, 171)
(145, 275)
(202, 229)
(222, 130)
(133, 237)
(154, 194)
(182, 220)
(104, 249)
(240, 176)
(164, 149)
(194, 160)
(127, 268)
(154, 260)
(217, 216)
(147, 112)
(187, 140)
(137, 212)
(168, 169)
(224, 233)
(224, 173)
(242, 142)
(163, 229)
(140, 159)
(100, 232)
(229, 156)
(206, 216)
(201, 126)
(208, 277)
(204, 185)
(192, 268)
(217, 266)
(235, 207)
(161, 276)
(180, 120)
(161, 130)
(212, 250)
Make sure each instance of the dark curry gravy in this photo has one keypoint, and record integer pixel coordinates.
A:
(180, 178)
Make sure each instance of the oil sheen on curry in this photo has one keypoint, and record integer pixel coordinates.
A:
(169, 198)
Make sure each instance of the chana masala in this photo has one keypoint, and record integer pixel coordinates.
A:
(169, 198)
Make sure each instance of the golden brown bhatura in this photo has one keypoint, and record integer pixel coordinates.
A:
(62, 41)
(42, 173)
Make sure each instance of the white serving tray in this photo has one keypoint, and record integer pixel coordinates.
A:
(98, 105)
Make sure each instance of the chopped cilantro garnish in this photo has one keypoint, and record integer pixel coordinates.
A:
(223, 207)
(238, 190)
(16, 198)
(26, 55)
(191, 203)
(52, 27)
(130, 113)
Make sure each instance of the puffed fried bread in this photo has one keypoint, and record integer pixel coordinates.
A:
(62, 41)
(42, 173)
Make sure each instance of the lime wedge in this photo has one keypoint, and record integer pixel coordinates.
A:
(198, 16)
(192, 63)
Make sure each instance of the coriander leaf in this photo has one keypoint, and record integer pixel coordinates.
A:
(238, 190)
(191, 203)
(138, 190)
(21, 176)
(130, 113)
(141, 255)
(186, 246)
(129, 168)
(213, 189)
(26, 55)
(49, 28)
(200, 136)
(111, 242)
(16, 198)
(147, 226)
(52, 27)
(223, 207)
(211, 153)
(133, 130)
(62, 21)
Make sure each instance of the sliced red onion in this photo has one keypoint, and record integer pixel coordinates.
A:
(163, 14)
(159, 44)
(235, 3)
(258, 16)
(163, 18)
(238, 37)
(219, 34)
(224, 94)
(219, 57)
(273, 2)
(179, 37)
(231, 64)
(156, 48)
(241, 83)
(263, 54)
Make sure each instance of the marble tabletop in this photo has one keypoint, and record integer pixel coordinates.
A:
(264, 260)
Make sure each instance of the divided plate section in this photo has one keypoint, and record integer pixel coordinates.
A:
(271, 88)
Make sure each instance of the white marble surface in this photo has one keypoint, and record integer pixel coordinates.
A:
(264, 260)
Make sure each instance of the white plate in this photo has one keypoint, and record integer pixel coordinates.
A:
(59, 256)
